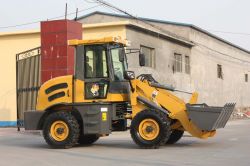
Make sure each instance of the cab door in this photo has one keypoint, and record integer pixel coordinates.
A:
(118, 85)
(96, 74)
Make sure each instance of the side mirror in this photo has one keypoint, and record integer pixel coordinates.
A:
(142, 60)
(129, 75)
(121, 55)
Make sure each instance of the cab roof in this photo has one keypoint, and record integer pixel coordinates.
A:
(104, 40)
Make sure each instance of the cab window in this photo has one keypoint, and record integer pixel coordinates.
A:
(118, 66)
(95, 62)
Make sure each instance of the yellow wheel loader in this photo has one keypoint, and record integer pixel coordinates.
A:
(102, 95)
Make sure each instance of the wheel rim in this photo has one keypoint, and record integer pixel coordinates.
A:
(149, 129)
(59, 130)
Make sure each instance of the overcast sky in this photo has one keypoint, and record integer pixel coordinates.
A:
(211, 15)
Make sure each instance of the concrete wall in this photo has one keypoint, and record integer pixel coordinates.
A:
(103, 30)
(205, 55)
(209, 52)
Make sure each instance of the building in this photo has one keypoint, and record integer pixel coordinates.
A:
(187, 57)
(181, 55)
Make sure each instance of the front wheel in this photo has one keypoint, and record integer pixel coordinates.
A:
(150, 129)
(61, 130)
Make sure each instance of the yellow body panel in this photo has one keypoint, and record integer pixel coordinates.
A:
(175, 106)
(43, 103)
(42, 99)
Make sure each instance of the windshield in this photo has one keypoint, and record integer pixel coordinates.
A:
(119, 67)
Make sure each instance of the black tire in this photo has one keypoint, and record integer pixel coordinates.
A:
(175, 136)
(164, 129)
(87, 139)
(73, 130)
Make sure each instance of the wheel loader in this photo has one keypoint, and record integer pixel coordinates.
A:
(102, 96)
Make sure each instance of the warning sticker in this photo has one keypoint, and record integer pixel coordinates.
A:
(104, 116)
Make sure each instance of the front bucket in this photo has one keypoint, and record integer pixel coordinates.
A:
(209, 118)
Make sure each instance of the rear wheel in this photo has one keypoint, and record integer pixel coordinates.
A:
(87, 139)
(61, 130)
(175, 136)
(150, 129)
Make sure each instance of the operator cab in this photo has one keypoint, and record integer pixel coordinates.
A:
(101, 64)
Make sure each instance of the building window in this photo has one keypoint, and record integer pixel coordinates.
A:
(219, 71)
(149, 56)
(246, 77)
(177, 63)
(187, 64)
